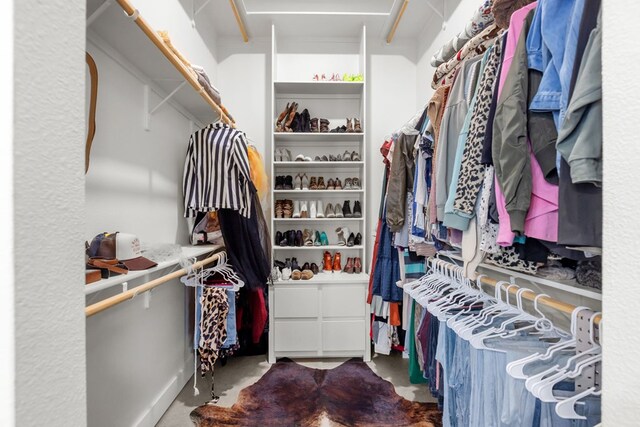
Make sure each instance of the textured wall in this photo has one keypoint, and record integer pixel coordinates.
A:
(621, 97)
(49, 212)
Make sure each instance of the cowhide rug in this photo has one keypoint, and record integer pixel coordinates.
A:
(290, 394)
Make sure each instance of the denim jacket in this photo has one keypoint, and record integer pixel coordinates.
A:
(546, 46)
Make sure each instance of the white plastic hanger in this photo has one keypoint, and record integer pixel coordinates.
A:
(222, 267)
(567, 408)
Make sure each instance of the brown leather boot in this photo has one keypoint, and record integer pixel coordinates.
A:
(290, 117)
(348, 267)
(337, 267)
(281, 117)
(357, 265)
(326, 261)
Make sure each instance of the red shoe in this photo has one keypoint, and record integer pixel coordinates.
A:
(348, 267)
(336, 263)
(357, 265)
(326, 261)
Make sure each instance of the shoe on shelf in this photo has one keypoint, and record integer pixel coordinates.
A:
(303, 158)
(314, 125)
(316, 240)
(358, 240)
(346, 156)
(286, 273)
(337, 268)
(343, 234)
(282, 117)
(306, 274)
(331, 185)
(346, 209)
(284, 239)
(357, 77)
(357, 265)
(348, 184)
(338, 184)
(319, 209)
(307, 237)
(298, 182)
(278, 238)
(349, 125)
(323, 239)
(355, 157)
(348, 266)
(346, 77)
(292, 114)
(313, 184)
(299, 239)
(294, 264)
(339, 129)
(277, 155)
(313, 209)
(285, 155)
(304, 209)
(288, 183)
(338, 211)
(296, 275)
(357, 209)
(296, 209)
(287, 263)
(306, 266)
(327, 261)
(321, 185)
(324, 78)
(324, 125)
(287, 208)
(314, 268)
(305, 118)
(357, 127)
(329, 212)
(356, 183)
(351, 240)
(324, 158)
(278, 210)
(279, 183)
(305, 182)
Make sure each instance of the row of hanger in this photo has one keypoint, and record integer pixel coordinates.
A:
(229, 278)
(477, 316)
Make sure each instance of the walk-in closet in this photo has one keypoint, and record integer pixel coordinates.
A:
(319, 213)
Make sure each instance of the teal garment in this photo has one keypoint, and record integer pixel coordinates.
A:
(455, 219)
(415, 374)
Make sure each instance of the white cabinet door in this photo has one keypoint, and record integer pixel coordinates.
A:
(296, 302)
(346, 335)
(296, 336)
(343, 301)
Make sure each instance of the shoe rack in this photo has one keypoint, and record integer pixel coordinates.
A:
(327, 315)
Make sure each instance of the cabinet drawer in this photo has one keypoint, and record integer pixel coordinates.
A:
(298, 335)
(343, 301)
(343, 335)
(296, 302)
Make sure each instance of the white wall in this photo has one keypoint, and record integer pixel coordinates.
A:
(138, 359)
(48, 211)
(433, 38)
(7, 305)
(621, 95)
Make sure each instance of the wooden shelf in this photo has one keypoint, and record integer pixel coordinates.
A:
(318, 88)
(141, 46)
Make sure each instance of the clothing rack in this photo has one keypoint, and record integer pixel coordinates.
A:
(528, 295)
(134, 15)
(132, 293)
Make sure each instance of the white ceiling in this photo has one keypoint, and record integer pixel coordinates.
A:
(321, 18)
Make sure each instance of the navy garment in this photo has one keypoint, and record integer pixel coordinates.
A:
(387, 269)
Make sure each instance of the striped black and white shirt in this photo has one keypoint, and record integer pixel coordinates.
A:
(216, 171)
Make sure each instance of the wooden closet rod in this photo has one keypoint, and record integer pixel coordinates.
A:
(133, 13)
(392, 33)
(131, 293)
(528, 295)
(239, 21)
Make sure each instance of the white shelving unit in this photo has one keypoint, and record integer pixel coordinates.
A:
(326, 316)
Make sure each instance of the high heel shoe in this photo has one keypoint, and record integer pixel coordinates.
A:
(323, 239)
(351, 240)
(358, 240)
(316, 240)
(343, 234)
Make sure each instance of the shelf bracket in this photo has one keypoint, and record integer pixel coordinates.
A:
(104, 6)
(148, 112)
(147, 299)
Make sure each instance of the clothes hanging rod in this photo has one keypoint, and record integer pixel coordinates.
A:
(392, 33)
(528, 295)
(132, 293)
(241, 26)
(133, 13)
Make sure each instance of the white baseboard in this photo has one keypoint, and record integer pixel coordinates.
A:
(164, 399)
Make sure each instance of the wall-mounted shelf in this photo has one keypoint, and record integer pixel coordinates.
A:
(305, 220)
(323, 277)
(188, 251)
(322, 192)
(317, 248)
(122, 28)
(314, 164)
(317, 136)
(319, 88)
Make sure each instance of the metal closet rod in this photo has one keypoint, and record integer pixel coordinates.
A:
(528, 295)
(130, 294)
(133, 13)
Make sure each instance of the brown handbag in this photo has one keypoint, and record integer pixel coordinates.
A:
(93, 72)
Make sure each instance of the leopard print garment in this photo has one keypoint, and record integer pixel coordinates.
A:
(508, 258)
(471, 169)
(213, 329)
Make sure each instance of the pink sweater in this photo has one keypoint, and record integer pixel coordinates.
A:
(542, 218)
